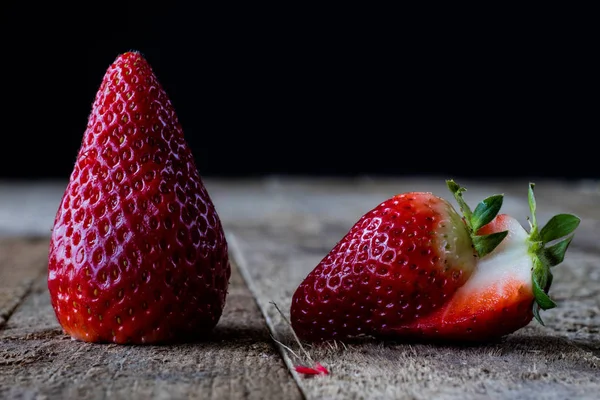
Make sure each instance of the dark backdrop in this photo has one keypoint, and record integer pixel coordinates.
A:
(313, 91)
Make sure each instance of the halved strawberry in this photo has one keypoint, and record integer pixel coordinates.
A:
(401, 261)
(475, 278)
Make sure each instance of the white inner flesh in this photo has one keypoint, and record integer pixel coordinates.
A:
(499, 270)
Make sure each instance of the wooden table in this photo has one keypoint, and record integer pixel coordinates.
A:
(278, 230)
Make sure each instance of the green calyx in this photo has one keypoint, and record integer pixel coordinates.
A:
(483, 214)
(547, 247)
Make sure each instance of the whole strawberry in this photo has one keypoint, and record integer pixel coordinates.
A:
(137, 252)
(413, 268)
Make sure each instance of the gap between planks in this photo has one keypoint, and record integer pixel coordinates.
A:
(22, 262)
(238, 256)
(238, 361)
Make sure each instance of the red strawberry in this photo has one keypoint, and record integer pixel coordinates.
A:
(137, 253)
(412, 268)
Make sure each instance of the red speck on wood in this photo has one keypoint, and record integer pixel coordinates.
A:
(317, 370)
(321, 369)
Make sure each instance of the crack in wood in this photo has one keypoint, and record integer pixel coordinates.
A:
(240, 260)
(5, 317)
(23, 277)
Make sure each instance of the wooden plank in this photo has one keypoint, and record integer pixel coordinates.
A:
(239, 361)
(21, 261)
(281, 229)
(27, 208)
(558, 361)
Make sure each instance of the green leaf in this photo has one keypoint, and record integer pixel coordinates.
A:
(559, 226)
(453, 186)
(555, 254)
(536, 313)
(549, 281)
(541, 298)
(486, 211)
(457, 192)
(485, 244)
(532, 207)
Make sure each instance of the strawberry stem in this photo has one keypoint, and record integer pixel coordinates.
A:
(559, 231)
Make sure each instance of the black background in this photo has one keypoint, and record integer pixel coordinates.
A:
(314, 91)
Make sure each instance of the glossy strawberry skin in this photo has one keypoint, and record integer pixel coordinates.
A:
(137, 253)
(401, 260)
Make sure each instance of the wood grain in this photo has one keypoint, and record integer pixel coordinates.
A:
(239, 361)
(279, 229)
(558, 361)
(21, 262)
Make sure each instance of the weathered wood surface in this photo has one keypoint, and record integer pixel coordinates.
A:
(279, 230)
(20, 262)
(239, 361)
(559, 361)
